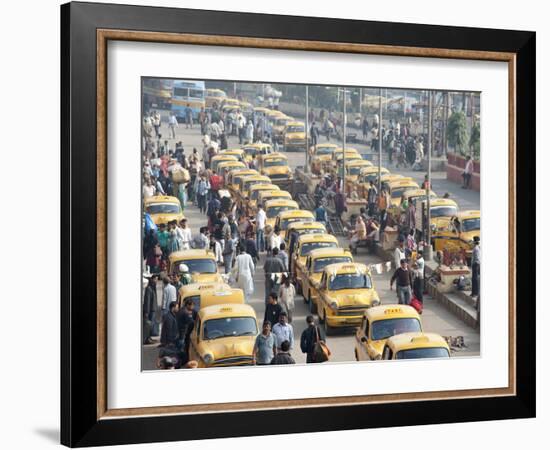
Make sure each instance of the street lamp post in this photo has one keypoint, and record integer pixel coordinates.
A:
(306, 168)
(344, 149)
(428, 248)
(380, 140)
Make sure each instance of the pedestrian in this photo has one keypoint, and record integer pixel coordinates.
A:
(250, 247)
(321, 213)
(264, 346)
(154, 258)
(169, 294)
(287, 292)
(150, 308)
(188, 116)
(227, 254)
(399, 253)
(173, 243)
(467, 174)
(148, 189)
(202, 191)
(169, 331)
(283, 256)
(186, 317)
(283, 331)
(372, 194)
(173, 124)
(260, 227)
(358, 235)
(310, 337)
(275, 239)
(314, 133)
(201, 241)
(273, 310)
(404, 283)
(419, 276)
(186, 235)
(243, 273)
(283, 356)
(273, 268)
(476, 265)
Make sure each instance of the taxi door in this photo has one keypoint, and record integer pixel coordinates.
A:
(361, 338)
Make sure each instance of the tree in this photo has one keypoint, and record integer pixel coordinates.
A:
(475, 140)
(457, 132)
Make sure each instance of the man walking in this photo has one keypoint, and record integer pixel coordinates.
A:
(273, 310)
(283, 332)
(188, 116)
(169, 295)
(264, 346)
(283, 356)
(260, 226)
(476, 265)
(202, 191)
(169, 333)
(467, 174)
(172, 125)
(150, 307)
(310, 336)
(372, 195)
(273, 266)
(243, 272)
(404, 283)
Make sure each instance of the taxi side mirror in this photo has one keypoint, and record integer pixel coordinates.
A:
(363, 339)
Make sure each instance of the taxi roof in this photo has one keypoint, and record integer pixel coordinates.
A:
(224, 156)
(392, 176)
(197, 288)
(344, 268)
(405, 182)
(469, 214)
(417, 193)
(374, 169)
(191, 254)
(296, 213)
(317, 237)
(246, 172)
(257, 145)
(161, 199)
(295, 123)
(264, 187)
(328, 252)
(230, 151)
(390, 312)
(405, 341)
(274, 156)
(261, 109)
(275, 113)
(274, 192)
(236, 164)
(233, 101)
(326, 145)
(348, 149)
(281, 202)
(443, 202)
(305, 225)
(257, 177)
(229, 310)
(359, 162)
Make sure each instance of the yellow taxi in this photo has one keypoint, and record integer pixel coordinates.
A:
(209, 294)
(441, 211)
(163, 208)
(276, 206)
(284, 219)
(299, 228)
(459, 233)
(338, 153)
(272, 115)
(322, 156)
(255, 150)
(416, 346)
(354, 167)
(412, 195)
(230, 102)
(249, 181)
(201, 264)
(316, 262)
(265, 196)
(261, 111)
(390, 177)
(380, 323)
(224, 335)
(234, 179)
(398, 187)
(278, 128)
(230, 108)
(246, 107)
(275, 166)
(228, 166)
(367, 175)
(294, 136)
(214, 96)
(219, 159)
(255, 192)
(305, 244)
(236, 152)
(345, 291)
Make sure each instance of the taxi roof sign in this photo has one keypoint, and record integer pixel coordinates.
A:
(393, 311)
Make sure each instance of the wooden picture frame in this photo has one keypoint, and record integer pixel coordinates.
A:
(85, 29)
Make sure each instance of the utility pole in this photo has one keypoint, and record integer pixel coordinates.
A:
(306, 168)
(428, 252)
(234, 89)
(380, 140)
(344, 149)
(360, 101)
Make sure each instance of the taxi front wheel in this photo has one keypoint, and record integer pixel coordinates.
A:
(312, 305)
(329, 331)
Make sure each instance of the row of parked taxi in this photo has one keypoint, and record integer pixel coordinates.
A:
(451, 228)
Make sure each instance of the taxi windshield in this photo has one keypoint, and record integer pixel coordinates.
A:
(250, 151)
(295, 129)
(273, 211)
(254, 195)
(199, 265)
(471, 224)
(309, 246)
(247, 184)
(196, 299)
(428, 352)
(321, 263)
(324, 150)
(286, 222)
(164, 208)
(229, 327)
(443, 211)
(272, 162)
(282, 122)
(354, 170)
(383, 329)
(398, 192)
(350, 281)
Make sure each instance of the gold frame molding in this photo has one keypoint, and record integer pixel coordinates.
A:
(105, 35)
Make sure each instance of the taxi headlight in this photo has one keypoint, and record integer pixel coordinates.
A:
(208, 358)
(375, 302)
(334, 306)
(433, 227)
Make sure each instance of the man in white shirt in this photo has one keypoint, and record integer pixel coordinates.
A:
(186, 235)
(260, 226)
(398, 255)
(173, 124)
(169, 294)
(283, 331)
(148, 189)
(276, 239)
